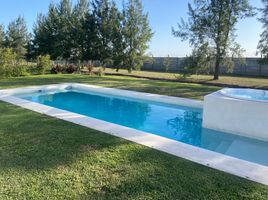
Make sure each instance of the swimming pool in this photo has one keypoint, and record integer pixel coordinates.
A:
(170, 124)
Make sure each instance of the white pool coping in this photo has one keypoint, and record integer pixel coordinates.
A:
(252, 171)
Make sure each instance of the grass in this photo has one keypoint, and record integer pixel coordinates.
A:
(46, 158)
(232, 81)
(195, 91)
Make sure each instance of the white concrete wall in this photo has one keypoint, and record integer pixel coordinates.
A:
(237, 116)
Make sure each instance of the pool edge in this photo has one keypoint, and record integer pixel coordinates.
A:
(235, 166)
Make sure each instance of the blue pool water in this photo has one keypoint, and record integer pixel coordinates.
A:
(175, 122)
(247, 94)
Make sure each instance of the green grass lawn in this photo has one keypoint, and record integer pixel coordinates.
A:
(46, 158)
(236, 81)
(195, 91)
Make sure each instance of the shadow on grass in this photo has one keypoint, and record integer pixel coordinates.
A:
(29, 140)
(109, 167)
(186, 90)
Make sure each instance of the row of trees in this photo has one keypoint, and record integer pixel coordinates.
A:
(99, 30)
(95, 30)
(89, 30)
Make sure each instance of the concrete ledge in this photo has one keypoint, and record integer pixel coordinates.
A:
(238, 167)
(242, 117)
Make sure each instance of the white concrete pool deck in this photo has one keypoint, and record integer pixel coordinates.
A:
(235, 166)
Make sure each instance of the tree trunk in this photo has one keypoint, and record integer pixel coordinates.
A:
(217, 69)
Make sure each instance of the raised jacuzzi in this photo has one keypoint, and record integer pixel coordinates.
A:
(238, 111)
(246, 94)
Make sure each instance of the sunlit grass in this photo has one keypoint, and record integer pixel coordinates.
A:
(46, 158)
(232, 81)
(187, 90)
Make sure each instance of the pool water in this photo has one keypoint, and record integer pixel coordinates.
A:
(178, 123)
(247, 94)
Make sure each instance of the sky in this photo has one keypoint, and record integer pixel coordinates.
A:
(163, 15)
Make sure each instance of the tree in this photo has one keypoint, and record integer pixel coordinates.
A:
(167, 63)
(17, 36)
(2, 36)
(45, 34)
(101, 13)
(43, 63)
(64, 29)
(53, 33)
(80, 12)
(263, 43)
(90, 38)
(137, 34)
(117, 37)
(212, 24)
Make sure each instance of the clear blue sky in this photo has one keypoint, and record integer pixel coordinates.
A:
(163, 14)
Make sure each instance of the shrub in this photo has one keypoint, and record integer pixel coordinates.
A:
(100, 72)
(90, 68)
(56, 69)
(71, 68)
(19, 70)
(167, 63)
(43, 63)
(7, 62)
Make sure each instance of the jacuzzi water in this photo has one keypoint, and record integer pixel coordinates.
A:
(247, 94)
(178, 123)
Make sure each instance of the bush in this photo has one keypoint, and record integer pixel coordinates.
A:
(7, 61)
(56, 69)
(71, 68)
(19, 70)
(43, 63)
(100, 72)
(90, 68)
(10, 65)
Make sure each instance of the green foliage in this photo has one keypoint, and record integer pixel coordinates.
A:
(103, 33)
(57, 69)
(212, 23)
(10, 64)
(100, 72)
(167, 63)
(7, 62)
(199, 62)
(17, 36)
(202, 60)
(117, 38)
(137, 34)
(2, 36)
(101, 14)
(53, 32)
(71, 68)
(79, 14)
(263, 43)
(43, 63)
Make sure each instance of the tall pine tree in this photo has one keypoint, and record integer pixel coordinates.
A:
(65, 26)
(137, 34)
(263, 43)
(101, 14)
(80, 12)
(117, 37)
(45, 34)
(17, 36)
(2, 36)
